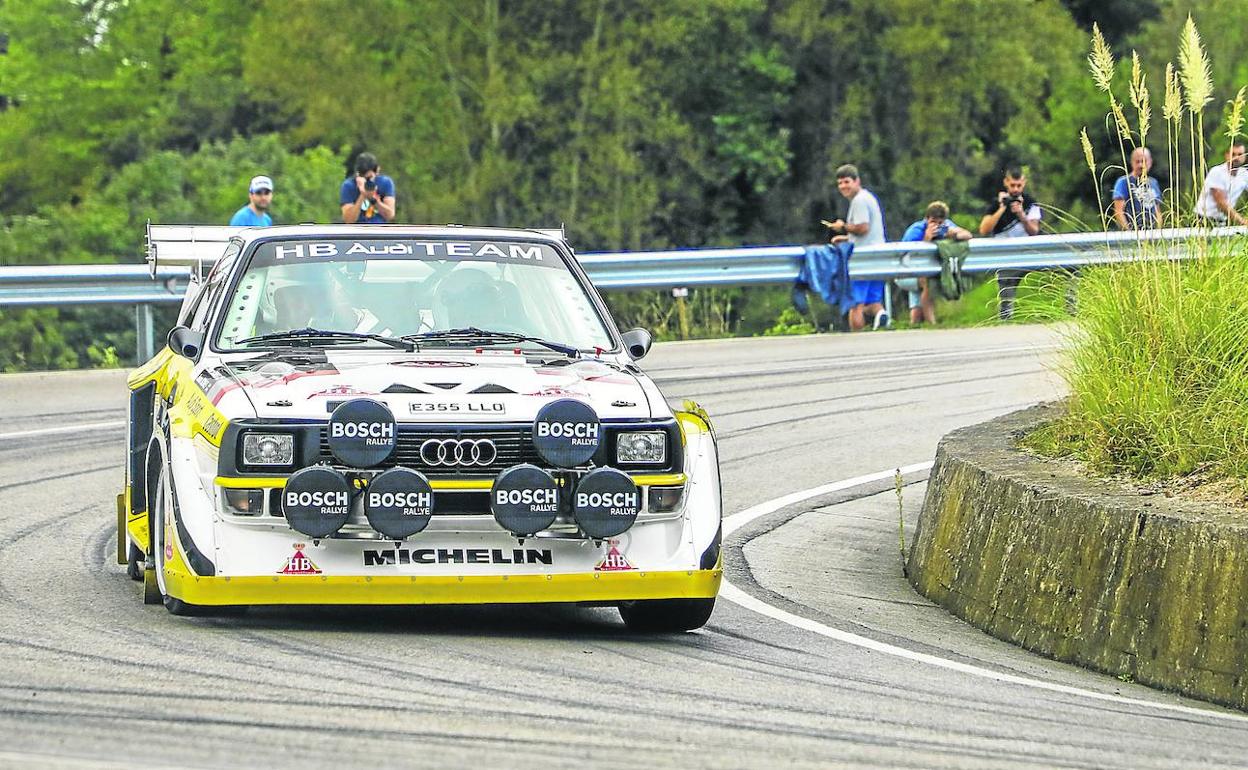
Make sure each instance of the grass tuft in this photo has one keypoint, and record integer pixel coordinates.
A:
(1158, 366)
(1157, 360)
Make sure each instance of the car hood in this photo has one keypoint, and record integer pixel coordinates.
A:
(490, 386)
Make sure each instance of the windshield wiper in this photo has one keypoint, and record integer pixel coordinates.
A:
(306, 335)
(474, 334)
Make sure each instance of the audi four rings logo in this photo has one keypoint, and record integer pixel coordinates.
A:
(450, 451)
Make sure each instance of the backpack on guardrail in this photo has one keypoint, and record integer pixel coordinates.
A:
(953, 284)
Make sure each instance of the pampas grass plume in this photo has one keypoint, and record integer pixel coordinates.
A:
(1194, 68)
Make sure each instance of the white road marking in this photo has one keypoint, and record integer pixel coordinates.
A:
(23, 759)
(64, 429)
(737, 596)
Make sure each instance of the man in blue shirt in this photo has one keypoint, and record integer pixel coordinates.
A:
(1137, 196)
(934, 226)
(256, 212)
(368, 197)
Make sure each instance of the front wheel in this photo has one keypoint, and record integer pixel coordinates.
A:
(666, 615)
(162, 535)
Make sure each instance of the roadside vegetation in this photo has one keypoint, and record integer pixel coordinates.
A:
(1158, 357)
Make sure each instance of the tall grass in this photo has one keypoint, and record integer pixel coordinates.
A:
(1157, 362)
(1157, 366)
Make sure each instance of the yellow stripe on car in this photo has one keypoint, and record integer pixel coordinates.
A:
(454, 485)
(448, 589)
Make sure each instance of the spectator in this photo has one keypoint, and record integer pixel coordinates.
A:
(256, 212)
(865, 227)
(1224, 184)
(367, 197)
(1137, 196)
(934, 226)
(1012, 213)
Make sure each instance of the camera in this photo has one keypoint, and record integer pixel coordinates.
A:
(1010, 200)
(941, 230)
(369, 185)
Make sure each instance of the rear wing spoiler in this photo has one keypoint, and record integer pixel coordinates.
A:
(196, 246)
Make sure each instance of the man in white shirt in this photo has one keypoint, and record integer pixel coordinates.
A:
(862, 226)
(1224, 184)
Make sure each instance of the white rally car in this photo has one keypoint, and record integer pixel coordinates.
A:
(411, 415)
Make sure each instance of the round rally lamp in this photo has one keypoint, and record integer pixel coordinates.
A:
(362, 433)
(316, 501)
(566, 433)
(606, 503)
(399, 503)
(524, 500)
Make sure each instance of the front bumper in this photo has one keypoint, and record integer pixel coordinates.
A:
(462, 589)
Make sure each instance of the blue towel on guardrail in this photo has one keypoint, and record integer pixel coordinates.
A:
(826, 270)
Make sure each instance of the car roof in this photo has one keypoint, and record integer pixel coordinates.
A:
(399, 231)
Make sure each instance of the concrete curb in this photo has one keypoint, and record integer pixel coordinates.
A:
(1088, 571)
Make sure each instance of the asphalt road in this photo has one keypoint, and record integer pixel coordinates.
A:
(849, 667)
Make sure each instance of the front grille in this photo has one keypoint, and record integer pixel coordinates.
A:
(514, 446)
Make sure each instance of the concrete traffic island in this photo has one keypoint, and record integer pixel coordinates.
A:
(1088, 571)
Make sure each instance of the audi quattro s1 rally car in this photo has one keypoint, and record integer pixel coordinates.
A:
(410, 415)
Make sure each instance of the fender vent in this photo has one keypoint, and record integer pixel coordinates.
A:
(492, 388)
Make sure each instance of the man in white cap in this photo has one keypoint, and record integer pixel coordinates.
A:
(256, 212)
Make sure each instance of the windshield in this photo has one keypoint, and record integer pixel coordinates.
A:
(398, 287)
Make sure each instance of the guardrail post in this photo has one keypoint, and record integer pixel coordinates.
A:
(682, 310)
(144, 332)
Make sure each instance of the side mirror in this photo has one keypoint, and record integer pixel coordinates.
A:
(637, 342)
(186, 342)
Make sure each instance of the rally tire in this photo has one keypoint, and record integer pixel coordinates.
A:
(665, 616)
(161, 506)
(134, 562)
(185, 610)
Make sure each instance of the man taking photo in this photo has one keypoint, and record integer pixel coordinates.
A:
(1012, 213)
(368, 197)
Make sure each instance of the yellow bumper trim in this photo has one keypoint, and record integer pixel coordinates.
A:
(272, 482)
(468, 589)
(659, 479)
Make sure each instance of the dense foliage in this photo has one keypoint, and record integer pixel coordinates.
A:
(638, 125)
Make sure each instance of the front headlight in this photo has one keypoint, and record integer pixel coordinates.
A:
(268, 449)
(641, 447)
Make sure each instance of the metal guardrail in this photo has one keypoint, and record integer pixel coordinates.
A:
(779, 264)
(61, 285)
(91, 285)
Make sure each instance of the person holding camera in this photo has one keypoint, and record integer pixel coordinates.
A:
(368, 197)
(934, 226)
(1012, 213)
(256, 212)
